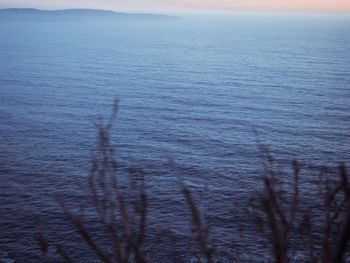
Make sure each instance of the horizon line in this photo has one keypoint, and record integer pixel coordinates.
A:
(192, 11)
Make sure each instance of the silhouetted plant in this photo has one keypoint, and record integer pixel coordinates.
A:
(122, 205)
(283, 219)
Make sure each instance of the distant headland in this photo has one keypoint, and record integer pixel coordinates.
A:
(31, 14)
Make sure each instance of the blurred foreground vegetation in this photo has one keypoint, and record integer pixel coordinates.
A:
(122, 211)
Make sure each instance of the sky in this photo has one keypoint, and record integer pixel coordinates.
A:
(185, 5)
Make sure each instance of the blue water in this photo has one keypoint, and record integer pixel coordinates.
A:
(192, 90)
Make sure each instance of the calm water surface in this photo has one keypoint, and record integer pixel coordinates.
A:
(192, 90)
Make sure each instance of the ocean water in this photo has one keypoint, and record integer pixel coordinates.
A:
(192, 90)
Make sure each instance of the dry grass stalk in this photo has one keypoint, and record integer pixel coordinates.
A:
(199, 228)
(280, 220)
(121, 209)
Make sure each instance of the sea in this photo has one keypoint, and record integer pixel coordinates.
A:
(198, 96)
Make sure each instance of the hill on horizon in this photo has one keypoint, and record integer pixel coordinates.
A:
(32, 14)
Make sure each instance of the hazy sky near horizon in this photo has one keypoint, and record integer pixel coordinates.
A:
(189, 5)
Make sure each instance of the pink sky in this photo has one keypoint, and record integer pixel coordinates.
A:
(190, 5)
